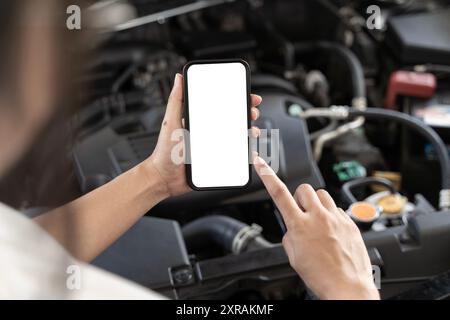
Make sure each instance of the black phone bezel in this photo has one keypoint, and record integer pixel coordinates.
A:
(187, 125)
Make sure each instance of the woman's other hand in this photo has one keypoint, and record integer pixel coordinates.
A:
(323, 244)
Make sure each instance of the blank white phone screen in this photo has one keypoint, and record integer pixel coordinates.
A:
(218, 124)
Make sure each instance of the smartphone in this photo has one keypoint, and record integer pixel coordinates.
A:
(217, 117)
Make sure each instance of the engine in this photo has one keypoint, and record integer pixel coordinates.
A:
(308, 60)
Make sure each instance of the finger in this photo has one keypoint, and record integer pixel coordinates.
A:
(344, 214)
(175, 104)
(255, 100)
(254, 113)
(287, 245)
(255, 132)
(307, 198)
(278, 192)
(326, 200)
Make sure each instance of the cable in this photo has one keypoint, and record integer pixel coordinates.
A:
(344, 112)
(356, 71)
(363, 182)
(330, 127)
(339, 131)
(358, 88)
(418, 126)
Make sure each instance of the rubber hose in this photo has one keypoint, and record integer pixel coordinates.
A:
(348, 57)
(363, 182)
(418, 126)
(219, 229)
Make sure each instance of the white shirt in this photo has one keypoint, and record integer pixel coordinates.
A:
(33, 265)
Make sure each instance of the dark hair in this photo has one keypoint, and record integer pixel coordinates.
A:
(9, 17)
(43, 177)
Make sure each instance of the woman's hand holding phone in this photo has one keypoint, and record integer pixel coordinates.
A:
(172, 176)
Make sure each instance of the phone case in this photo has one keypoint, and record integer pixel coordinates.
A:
(186, 119)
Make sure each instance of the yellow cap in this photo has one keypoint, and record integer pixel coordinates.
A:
(392, 204)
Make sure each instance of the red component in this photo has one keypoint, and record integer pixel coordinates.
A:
(412, 84)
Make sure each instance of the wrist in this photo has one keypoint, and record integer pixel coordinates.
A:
(156, 186)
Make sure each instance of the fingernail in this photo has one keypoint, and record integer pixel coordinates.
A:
(177, 80)
(259, 160)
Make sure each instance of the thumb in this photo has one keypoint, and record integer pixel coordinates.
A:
(175, 104)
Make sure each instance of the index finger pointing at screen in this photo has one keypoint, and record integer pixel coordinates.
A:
(278, 192)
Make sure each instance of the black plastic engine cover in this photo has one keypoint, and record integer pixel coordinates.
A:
(420, 38)
(150, 253)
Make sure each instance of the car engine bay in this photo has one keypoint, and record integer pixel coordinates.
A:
(363, 112)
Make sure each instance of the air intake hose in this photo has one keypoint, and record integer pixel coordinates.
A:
(230, 234)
